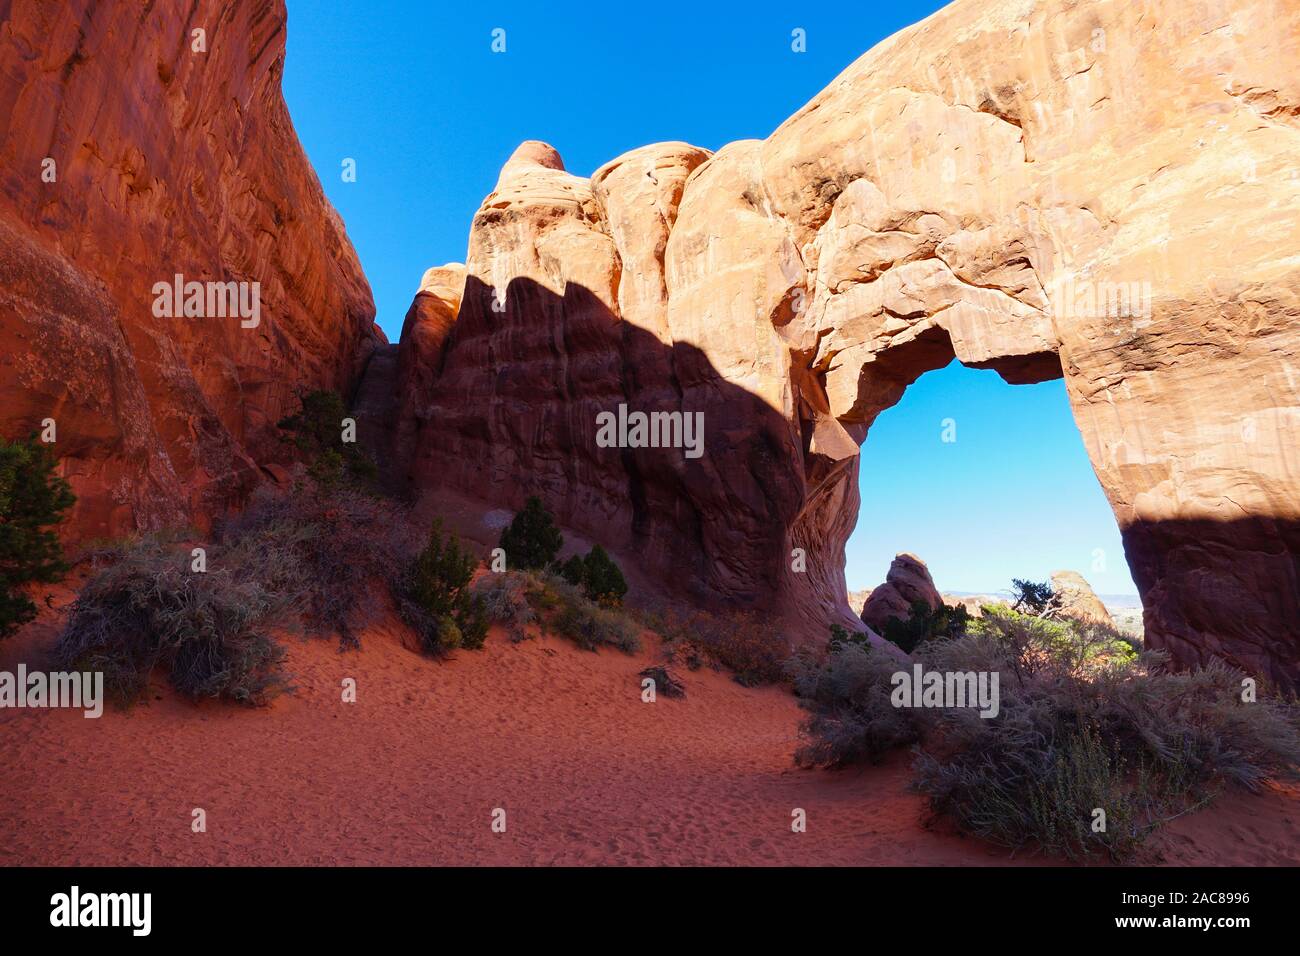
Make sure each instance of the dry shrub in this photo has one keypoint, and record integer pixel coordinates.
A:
(150, 612)
(505, 602)
(331, 552)
(564, 609)
(852, 719)
(1082, 725)
(746, 643)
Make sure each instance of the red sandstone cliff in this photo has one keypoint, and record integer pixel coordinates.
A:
(126, 157)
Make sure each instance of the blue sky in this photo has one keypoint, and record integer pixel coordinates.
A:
(414, 94)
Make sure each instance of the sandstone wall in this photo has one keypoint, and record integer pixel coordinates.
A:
(166, 160)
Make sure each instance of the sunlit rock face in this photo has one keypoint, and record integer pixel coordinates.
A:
(1102, 191)
(907, 583)
(1076, 599)
(133, 150)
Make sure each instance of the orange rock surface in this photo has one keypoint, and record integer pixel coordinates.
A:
(131, 150)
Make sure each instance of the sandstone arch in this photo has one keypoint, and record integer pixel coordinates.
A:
(1097, 190)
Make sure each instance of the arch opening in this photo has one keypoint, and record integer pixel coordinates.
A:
(984, 481)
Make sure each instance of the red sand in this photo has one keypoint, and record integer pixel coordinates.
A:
(411, 773)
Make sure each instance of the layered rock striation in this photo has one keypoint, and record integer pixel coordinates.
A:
(137, 146)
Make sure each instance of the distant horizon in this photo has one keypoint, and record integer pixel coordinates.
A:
(429, 115)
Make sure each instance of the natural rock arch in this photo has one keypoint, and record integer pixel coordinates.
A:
(1095, 190)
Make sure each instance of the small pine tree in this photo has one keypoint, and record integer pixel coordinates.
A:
(316, 430)
(602, 580)
(437, 599)
(32, 499)
(1037, 597)
(599, 577)
(573, 570)
(532, 540)
(926, 624)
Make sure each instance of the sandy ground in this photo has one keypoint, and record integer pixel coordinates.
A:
(411, 773)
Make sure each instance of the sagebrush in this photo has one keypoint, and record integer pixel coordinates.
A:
(149, 613)
(1085, 724)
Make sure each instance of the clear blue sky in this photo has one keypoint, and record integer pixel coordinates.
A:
(414, 94)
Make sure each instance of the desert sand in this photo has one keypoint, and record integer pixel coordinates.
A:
(410, 774)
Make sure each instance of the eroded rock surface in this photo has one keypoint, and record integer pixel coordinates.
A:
(1097, 190)
(127, 156)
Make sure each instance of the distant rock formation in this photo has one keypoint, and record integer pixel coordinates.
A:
(858, 601)
(129, 156)
(1096, 190)
(973, 603)
(1074, 598)
(907, 581)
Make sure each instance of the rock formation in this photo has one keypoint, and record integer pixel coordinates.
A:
(427, 325)
(1074, 598)
(1103, 191)
(973, 603)
(858, 600)
(907, 581)
(133, 149)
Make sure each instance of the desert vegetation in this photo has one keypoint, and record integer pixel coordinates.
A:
(317, 558)
(579, 598)
(435, 598)
(751, 646)
(543, 600)
(324, 557)
(330, 550)
(148, 612)
(597, 575)
(925, 623)
(532, 541)
(33, 499)
(316, 431)
(1086, 723)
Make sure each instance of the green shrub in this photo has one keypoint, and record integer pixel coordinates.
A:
(435, 598)
(1070, 645)
(150, 613)
(1082, 724)
(505, 601)
(532, 540)
(926, 624)
(599, 577)
(32, 500)
(842, 635)
(564, 609)
(316, 430)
